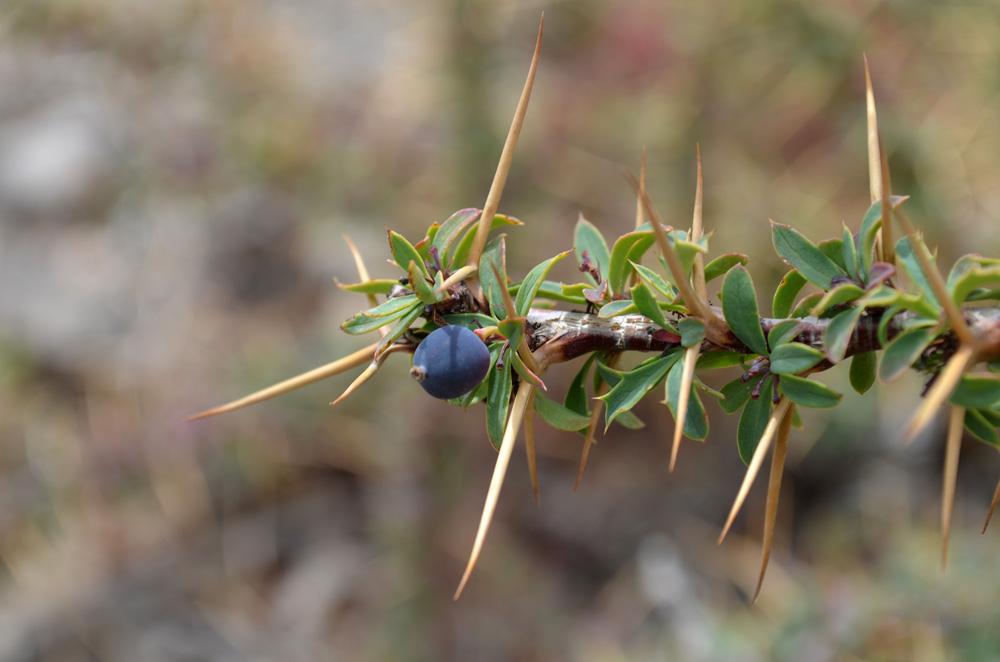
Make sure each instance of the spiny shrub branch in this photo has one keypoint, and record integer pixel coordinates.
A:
(842, 300)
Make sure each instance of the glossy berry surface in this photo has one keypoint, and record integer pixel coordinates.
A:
(450, 362)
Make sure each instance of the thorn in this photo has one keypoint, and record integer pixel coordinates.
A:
(755, 462)
(506, 156)
(942, 388)
(687, 378)
(874, 156)
(306, 378)
(529, 444)
(993, 507)
(499, 471)
(359, 380)
(639, 216)
(953, 446)
(773, 490)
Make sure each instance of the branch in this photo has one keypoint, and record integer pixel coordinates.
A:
(558, 336)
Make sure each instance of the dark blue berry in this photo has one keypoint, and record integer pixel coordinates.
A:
(450, 362)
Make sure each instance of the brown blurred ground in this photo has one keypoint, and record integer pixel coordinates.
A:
(174, 181)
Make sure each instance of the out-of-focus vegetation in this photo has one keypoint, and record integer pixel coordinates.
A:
(174, 181)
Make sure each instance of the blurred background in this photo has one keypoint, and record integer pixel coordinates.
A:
(175, 179)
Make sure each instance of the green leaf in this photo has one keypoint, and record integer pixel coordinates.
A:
(793, 358)
(380, 315)
(808, 393)
(753, 422)
(470, 320)
(783, 332)
(889, 297)
(970, 273)
(648, 306)
(526, 374)
(850, 254)
(805, 305)
(400, 327)
(655, 281)
(739, 306)
(716, 360)
(606, 373)
(863, 369)
(531, 283)
(460, 251)
(628, 248)
(977, 392)
(512, 328)
(553, 291)
(870, 226)
(558, 416)
(907, 257)
(377, 286)
(588, 238)
(833, 249)
(696, 420)
(576, 394)
(903, 351)
(784, 296)
(498, 389)
(636, 383)
(842, 293)
(981, 428)
(723, 264)
(802, 255)
(984, 294)
(451, 229)
(619, 307)
(494, 256)
(838, 333)
(686, 250)
(992, 416)
(423, 289)
(630, 421)
(736, 393)
(403, 253)
(692, 331)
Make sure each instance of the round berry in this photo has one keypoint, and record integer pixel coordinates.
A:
(450, 362)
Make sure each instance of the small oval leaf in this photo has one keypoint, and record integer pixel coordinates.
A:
(739, 306)
(808, 393)
(793, 358)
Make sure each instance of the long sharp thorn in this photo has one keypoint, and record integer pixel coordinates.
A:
(691, 357)
(306, 378)
(755, 462)
(588, 441)
(874, 158)
(465, 272)
(595, 416)
(358, 381)
(943, 386)
(506, 156)
(359, 263)
(956, 424)
(887, 239)
(698, 307)
(993, 507)
(639, 216)
(696, 232)
(938, 284)
(499, 471)
(773, 490)
(687, 378)
(529, 445)
(363, 276)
